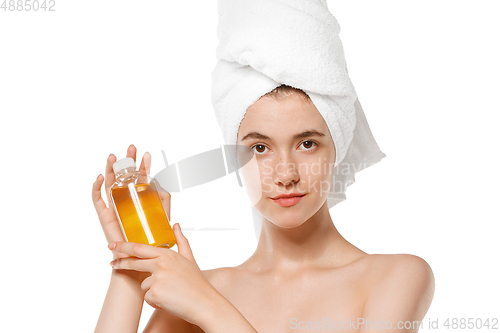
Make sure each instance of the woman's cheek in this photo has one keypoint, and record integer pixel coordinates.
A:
(267, 182)
(318, 175)
(251, 179)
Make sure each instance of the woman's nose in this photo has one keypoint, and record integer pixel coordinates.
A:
(286, 171)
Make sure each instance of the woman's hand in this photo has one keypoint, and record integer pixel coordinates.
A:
(176, 284)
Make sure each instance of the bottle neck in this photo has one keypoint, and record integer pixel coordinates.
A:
(126, 174)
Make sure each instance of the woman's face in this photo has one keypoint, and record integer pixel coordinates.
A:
(291, 151)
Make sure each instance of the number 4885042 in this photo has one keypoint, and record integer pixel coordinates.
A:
(28, 5)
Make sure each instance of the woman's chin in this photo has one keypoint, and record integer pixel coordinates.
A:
(289, 224)
(287, 221)
(283, 217)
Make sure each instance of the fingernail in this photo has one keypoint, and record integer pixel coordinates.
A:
(113, 263)
(112, 246)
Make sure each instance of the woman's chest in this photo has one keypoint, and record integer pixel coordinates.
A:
(321, 301)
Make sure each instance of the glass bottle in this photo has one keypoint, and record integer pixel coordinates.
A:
(138, 206)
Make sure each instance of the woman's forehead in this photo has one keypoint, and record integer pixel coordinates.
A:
(284, 115)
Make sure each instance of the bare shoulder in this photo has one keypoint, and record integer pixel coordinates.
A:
(219, 277)
(405, 281)
(401, 269)
(404, 266)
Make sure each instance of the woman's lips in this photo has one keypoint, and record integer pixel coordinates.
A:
(287, 202)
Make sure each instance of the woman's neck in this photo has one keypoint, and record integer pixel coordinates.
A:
(315, 243)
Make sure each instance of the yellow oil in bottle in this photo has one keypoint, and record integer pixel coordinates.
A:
(142, 215)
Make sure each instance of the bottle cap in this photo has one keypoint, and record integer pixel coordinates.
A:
(127, 162)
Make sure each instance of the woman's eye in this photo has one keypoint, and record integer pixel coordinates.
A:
(309, 144)
(259, 149)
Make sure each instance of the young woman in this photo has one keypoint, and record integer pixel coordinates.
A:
(303, 274)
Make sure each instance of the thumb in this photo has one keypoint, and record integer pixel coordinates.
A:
(183, 244)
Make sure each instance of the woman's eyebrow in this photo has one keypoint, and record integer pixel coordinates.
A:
(257, 135)
(307, 133)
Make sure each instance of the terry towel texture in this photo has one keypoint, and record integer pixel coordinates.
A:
(266, 43)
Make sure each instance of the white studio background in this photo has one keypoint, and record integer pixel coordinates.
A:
(95, 76)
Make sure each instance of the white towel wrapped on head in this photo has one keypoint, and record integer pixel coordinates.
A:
(266, 43)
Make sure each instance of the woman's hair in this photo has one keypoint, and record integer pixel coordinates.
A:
(284, 91)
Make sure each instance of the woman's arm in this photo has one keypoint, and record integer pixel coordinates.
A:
(162, 321)
(122, 306)
(219, 321)
(224, 318)
(177, 285)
